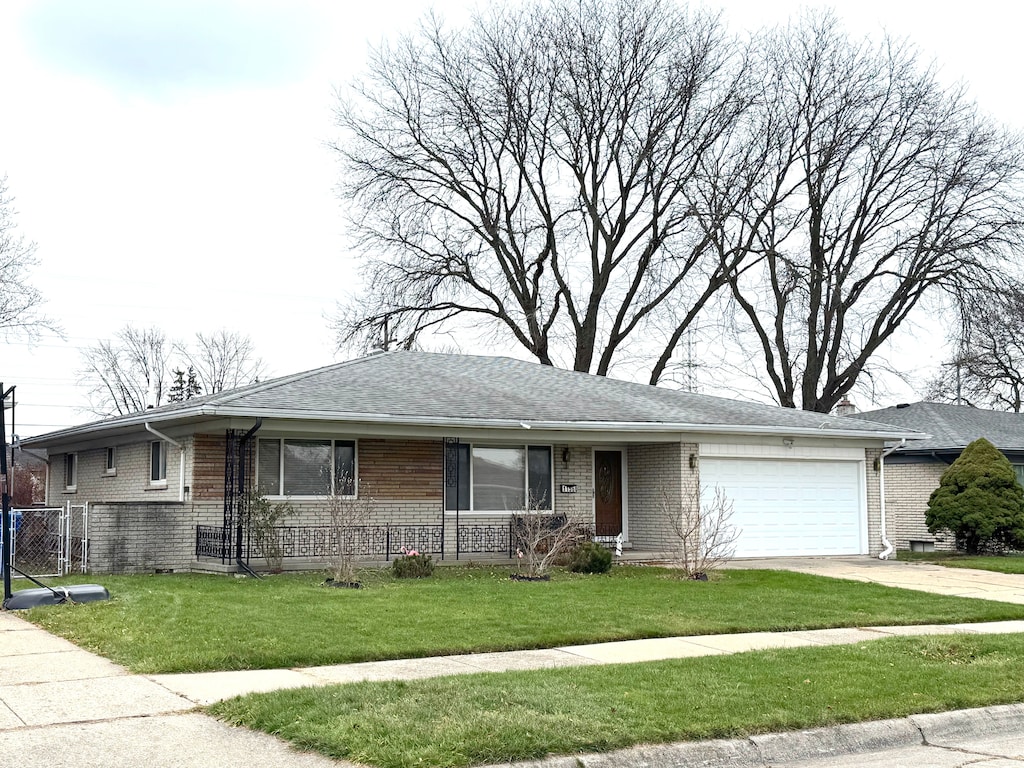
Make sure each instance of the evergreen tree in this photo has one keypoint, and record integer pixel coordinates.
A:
(979, 500)
(177, 391)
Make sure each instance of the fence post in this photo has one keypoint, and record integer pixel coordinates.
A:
(387, 542)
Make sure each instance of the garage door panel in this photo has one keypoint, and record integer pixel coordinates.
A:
(787, 508)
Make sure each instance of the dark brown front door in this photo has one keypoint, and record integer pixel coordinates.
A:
(608, 492)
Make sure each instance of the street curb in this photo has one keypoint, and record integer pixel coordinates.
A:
(766, 750)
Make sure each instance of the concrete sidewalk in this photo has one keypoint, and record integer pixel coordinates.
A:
(207, 687)
(62, 706)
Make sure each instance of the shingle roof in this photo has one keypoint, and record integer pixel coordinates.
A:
(424, 387)
(953, 426)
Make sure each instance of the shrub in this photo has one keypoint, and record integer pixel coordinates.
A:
(703, 538)
(262, 520)
(590, 557)
(979, 500)
(412, 565)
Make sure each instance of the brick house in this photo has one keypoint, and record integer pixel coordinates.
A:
(913, 470)
(448, 447)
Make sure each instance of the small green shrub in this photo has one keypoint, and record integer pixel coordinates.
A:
(590, 557)
(412, 565)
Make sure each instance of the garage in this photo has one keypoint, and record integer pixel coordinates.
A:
(787, 508)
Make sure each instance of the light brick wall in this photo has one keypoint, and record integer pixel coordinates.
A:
(578, 471)
(874, 507)
(141, 538)
(130, 480)
(655, 472)
(907, 488)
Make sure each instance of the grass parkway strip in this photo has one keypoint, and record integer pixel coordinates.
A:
(492, 718)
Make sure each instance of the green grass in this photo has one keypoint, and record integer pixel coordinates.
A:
(495, 718)
(192, 623)
(998, 563)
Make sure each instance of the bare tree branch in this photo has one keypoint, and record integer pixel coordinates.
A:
(882, 187)
(543, 171)
(20, 301)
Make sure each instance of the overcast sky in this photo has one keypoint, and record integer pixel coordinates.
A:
(168, 158)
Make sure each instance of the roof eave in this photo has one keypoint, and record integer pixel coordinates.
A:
(227, 411)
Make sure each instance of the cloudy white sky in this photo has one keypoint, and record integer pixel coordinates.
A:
(168, 158)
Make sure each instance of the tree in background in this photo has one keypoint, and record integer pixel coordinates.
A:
(979, 500)
(586, 178)
(20, 301)
(988, 369)
(879, 187)
(549, 175)
(221, 360)
(128, 373)
(184, 386)
(134, 370)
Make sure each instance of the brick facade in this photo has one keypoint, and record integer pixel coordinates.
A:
(128, 481)
(136, 527)
(907, 488)
(132, 537)
(660, 483)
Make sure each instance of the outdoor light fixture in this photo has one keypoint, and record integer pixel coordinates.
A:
(565, 455)
(788, 442)
(693, 461)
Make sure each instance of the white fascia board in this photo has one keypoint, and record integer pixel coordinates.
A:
(183, 416)
(562, 426)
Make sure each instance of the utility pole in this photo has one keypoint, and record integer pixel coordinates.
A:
(5, 490)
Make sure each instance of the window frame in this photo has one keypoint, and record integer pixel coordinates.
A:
(110, 467)
(70, 472)
(335, 442)
(158, 463)
(467, 448)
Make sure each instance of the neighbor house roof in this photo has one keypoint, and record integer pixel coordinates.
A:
(434, 389)
(953, 426)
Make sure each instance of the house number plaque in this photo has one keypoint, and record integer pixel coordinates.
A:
(565, 488)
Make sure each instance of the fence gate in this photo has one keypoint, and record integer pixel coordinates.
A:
(50, 541)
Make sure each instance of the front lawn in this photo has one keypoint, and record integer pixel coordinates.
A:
(192, 623)
(998, 563)
(496, 718)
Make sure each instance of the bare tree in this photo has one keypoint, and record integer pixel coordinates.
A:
(987, 370)
(879, 188)
(351, 508)
(20, 301)
(703, 538)
(137, 368)
(128, 373)
(542, 538)
(221, 360)
(549, 174)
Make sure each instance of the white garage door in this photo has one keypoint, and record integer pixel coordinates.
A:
(791, 508)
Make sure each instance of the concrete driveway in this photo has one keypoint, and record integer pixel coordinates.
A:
(957, 582)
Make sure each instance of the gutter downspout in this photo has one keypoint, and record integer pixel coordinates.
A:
(242, 482)
(181, 460)
(884, 554)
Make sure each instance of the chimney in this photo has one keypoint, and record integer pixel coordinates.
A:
(846, 408)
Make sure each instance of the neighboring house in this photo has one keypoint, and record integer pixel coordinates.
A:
(913, 471)
(448, 447)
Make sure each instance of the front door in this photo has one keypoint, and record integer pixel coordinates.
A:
(608, 492)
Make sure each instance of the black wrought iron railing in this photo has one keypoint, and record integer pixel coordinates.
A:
(373, 542)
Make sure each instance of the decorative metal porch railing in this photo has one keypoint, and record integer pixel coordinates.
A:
(374, 542)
